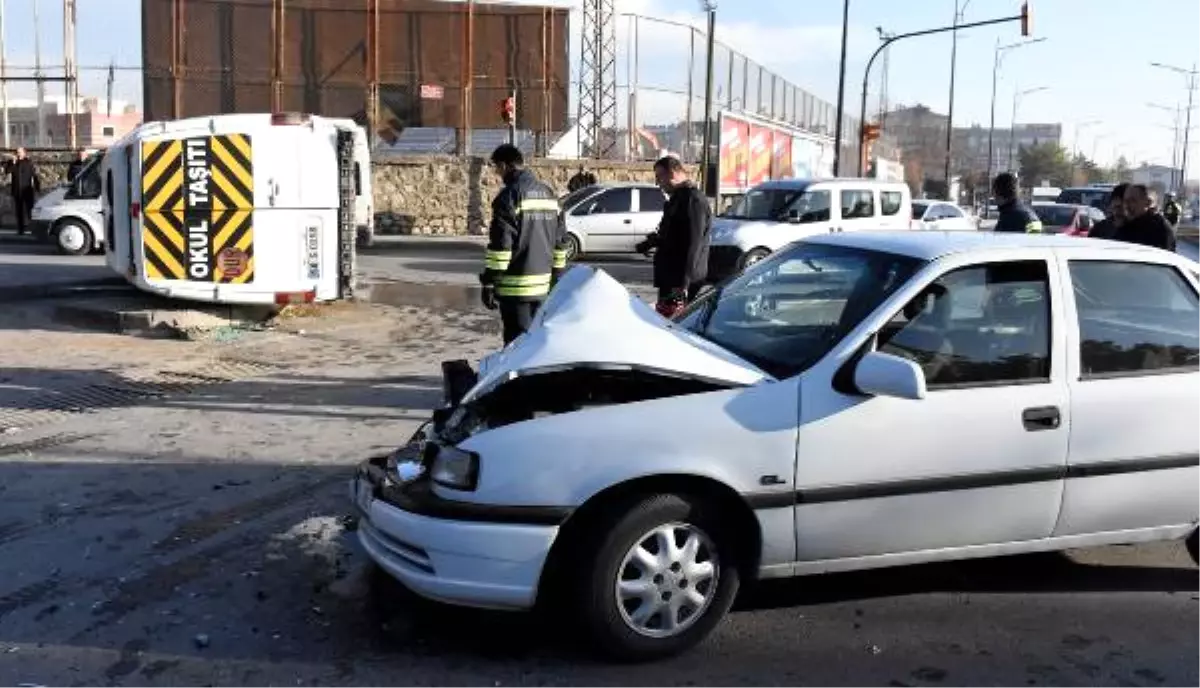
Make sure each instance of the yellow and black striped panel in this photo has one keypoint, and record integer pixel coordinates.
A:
(231, 162)
(163, 242)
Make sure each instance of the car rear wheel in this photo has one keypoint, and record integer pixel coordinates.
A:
(73, 238)
(573, 250)
(659, 581)
(753, 256)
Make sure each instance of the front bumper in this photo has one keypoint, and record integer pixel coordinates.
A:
(466, 554)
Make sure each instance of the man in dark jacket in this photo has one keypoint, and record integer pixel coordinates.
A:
(1107, 228)
(681, 242)
(24, 186)
(76, 165)
(526, 249)
(1013, 216)
(1145, 226)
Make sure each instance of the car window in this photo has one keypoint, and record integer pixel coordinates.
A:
(1070, 196)
(890, 202)
(612, 201)
(576, 196)
(919, 210)
(651, 201)
(1134, 318)
(981, 325)
(1055, 215)
(789, 310)
(764, 204)
(812, 206)
(951, 211)
(857, 203)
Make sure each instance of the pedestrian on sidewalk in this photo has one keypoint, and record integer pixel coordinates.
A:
(681, 242)
(24, 186)
(581, 180)
(76, 165)
(526, 249)
(1114, 215)
(1145, 225)
(1014, 216)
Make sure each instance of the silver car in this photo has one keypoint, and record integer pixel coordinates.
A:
(611, 218)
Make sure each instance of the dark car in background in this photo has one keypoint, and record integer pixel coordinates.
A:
(1067, 218)
(1094, 196)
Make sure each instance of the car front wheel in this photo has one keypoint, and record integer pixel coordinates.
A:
(659, 581)
(73, 238)
(753, 256)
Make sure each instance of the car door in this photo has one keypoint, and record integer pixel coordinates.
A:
(858, 209)
(650, 203)
(1133, 343)
(604, 220)
(979, 460)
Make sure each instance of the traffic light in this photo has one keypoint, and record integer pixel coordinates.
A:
(1026, 20)
(869, 135)
(508, 110)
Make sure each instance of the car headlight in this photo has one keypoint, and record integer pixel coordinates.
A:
(455, 468)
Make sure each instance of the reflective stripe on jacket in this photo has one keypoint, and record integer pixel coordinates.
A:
(526, 240)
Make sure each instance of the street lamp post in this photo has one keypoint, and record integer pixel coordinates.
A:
(710, 6)
(1017, 96)
(1178, 115)
(958, 16)
(1000, 52)
(1075, 145)
(1191, 87)
(837, 128)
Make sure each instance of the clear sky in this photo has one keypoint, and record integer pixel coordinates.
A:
(1094, 62)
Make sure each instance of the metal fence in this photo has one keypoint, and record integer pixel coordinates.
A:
(394, 65)
(665, 103)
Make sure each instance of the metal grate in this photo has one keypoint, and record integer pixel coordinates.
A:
(61, 404)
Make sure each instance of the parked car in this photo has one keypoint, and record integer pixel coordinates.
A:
(611, 218)
(69, 215)
(776, 213)
(1095, 196)
(1065, 218)
(941, 215)
(856, 400)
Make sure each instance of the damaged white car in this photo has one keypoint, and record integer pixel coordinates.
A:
(854, 401)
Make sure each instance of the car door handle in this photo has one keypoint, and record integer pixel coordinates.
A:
(628, 222)
(1041, 418)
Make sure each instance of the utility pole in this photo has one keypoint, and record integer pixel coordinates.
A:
(958, 17)
(4, 81)
(37, 66)
(837, 128)
(710, 6)
(108, 95)
(70, 71)
(883, 77)
(1187, 126)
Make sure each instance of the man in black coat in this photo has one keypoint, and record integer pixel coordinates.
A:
(24, 186)
(1145, 226)
(76, 165)
(681, 242)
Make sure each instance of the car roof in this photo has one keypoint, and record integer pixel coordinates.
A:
(930, 245)
(1054, 204)
(623, 185)
(795, 183)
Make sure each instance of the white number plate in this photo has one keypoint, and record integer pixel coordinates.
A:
(312, 251)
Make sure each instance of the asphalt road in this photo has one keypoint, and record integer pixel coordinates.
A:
(203, 538)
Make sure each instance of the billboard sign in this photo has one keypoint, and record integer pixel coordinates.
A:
(753, 150)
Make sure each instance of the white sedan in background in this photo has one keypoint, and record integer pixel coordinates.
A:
(853, 401)
(611, 218)
(941, 215)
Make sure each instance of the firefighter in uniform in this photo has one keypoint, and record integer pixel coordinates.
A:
(1014, 215)
(526, 249)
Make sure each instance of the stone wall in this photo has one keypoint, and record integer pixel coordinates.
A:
(429, 195)
(51, 169)
(450, 195)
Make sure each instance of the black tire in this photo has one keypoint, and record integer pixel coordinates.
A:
(573, 248)
(597, 570)
(81, 242)
(751, 257)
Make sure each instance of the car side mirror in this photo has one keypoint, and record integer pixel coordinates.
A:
(886, 375)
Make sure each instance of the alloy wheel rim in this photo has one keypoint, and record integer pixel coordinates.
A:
(71, 238)
(667, 580)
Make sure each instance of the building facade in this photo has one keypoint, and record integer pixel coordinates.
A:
(97, 122)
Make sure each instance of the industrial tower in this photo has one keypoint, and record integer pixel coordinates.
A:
(597, 121)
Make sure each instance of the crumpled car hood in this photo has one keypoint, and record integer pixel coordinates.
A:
(591, 320)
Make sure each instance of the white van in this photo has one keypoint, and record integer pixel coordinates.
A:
(239, 209)
(71, 215)
(776, 213)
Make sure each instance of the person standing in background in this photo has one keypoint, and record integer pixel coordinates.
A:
(24, 186)
(1107, 228)
(681, 242)
(1145, 226)
(76, 165)
(1171, 210)
(1014, 216)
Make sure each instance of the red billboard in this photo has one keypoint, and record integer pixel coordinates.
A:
(760, 155)
(781, 156)
(753, 151)
(733, 156)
